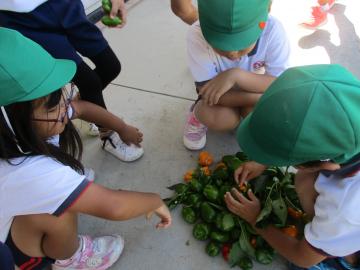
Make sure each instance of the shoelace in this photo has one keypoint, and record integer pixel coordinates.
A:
(194, 130)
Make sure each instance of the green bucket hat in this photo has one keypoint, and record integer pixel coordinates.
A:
(232, 25)
(27, 71)
(309, 113)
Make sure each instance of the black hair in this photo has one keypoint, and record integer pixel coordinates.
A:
(20, 115)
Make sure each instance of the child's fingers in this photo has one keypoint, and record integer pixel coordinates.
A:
(252, 195)
(237, 174)
(244, 177)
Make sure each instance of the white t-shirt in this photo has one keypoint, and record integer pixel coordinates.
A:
(335, 228)
(20, 5)
(271, 57)
(38, 185)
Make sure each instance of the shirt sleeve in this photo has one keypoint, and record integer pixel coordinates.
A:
(199, 59)
(335, 229)
(277, 58)
(43, 186)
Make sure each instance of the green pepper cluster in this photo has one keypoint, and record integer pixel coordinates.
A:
(106, 19)
(204, 207)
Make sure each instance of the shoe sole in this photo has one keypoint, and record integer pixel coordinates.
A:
(189, 145)
(113, 259)
(124, 160)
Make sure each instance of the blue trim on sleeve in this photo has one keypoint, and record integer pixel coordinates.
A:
(72, 197)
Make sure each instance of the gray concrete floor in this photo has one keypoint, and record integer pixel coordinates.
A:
(154, 92)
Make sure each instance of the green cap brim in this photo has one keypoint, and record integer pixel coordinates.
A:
(252, 149)
(233, 41)
(63, 71)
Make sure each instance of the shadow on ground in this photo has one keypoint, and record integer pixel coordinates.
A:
(349, 41)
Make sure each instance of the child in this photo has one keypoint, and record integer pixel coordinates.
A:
(185, 10)
(234, 52)
(319, 14)
(41, 227)
(62, 28)
(310, 118)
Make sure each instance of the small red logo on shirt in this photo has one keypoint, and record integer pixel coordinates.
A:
(258, 65)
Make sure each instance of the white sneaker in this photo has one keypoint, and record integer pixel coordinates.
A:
(194, 136)
(93, 130)
(89, 174)
(93, 254)
(115, 146)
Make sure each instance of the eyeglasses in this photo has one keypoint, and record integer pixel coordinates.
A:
(66, 104)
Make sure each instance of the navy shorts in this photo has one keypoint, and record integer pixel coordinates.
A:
(61, 27)
(6, 260)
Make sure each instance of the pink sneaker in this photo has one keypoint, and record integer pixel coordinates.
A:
(93, 254)
(194, 132)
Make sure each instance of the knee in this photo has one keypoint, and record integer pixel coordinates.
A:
(114, 69)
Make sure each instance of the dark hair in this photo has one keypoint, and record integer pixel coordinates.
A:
(20, 115)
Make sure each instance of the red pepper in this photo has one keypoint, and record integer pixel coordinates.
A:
(225, 251)
(296, 214)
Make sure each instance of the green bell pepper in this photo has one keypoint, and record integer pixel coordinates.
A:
(181, 188)
(208, 213)
(220, 173)
(194, 200)
(221, 237)
(189, 215)
(245, 263)
(211, 192)
(201, 231)
(225, 222)
(235, 234)
(232, 162)
(264, 256)
(212, 249)
(195, 185)
(222, 192)
(107, 20)
(106, 5)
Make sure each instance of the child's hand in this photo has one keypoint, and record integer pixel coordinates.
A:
(119, 9)
(212, 91)
(247, 209)
(131, 135)
(164, 214)
(247, 171)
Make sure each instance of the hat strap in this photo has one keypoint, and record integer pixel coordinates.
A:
(12, 130)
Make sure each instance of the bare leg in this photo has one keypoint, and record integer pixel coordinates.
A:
(217, 117)
(304, 184)
(46, 235)
(185, 10)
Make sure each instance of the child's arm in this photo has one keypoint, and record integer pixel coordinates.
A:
(216, 90)
(296, 251)
(93, 113)
(120, 204)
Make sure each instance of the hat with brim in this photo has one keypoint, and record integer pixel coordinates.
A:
(309, 113)
(27, 71)
(232, 25)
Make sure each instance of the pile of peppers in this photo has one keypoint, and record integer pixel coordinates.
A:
(202, 198)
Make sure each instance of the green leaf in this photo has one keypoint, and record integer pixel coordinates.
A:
(235, 254)
(280, 209)
(244, 242)
(265, 212)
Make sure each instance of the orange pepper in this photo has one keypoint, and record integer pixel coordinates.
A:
(243, 187)
(206, 170)
(205, 159)
(220, 165)
(294, 213)
(188, 175)
(290, 230)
